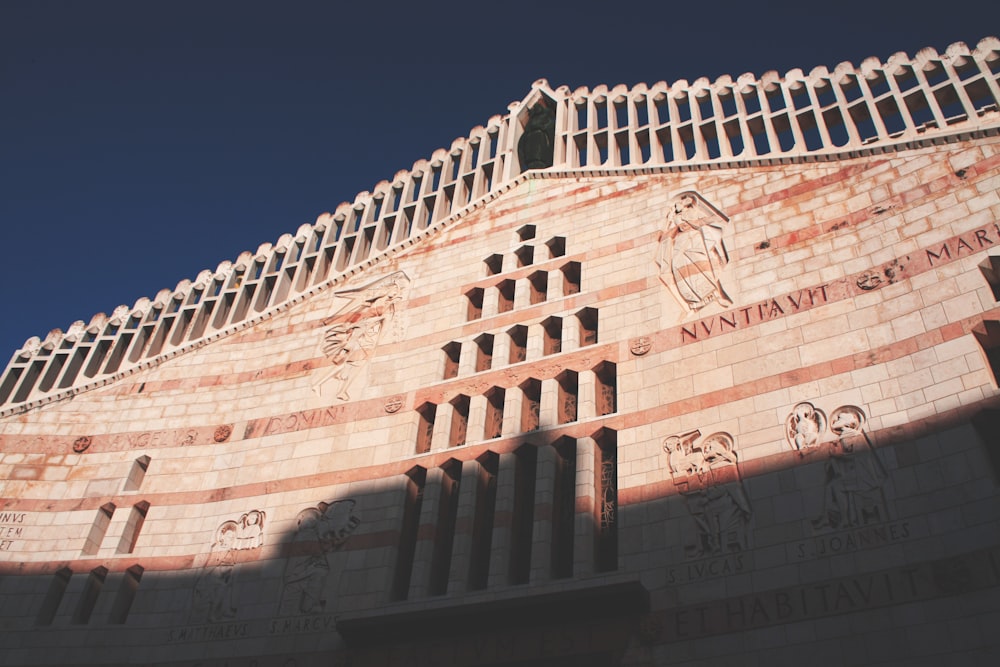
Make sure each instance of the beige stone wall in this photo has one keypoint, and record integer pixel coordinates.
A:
(845, 310)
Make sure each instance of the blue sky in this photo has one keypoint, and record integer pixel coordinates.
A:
(141, 142)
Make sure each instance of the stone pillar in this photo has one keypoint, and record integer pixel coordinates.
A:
(586, 516)
(548, 413)
(467, 359)
(536, 342)
(491, 297)
(570, 333)
(586, 406)
(461, 548)
(442, 426)
(501, 543)
(477, 419)
(396, 497)
(513, 401)
(501, 349)
(541, 543)
(522, 293)
(426, 534)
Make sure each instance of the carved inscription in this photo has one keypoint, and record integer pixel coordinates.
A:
(852, 540)
(709, 568)
(952, 249)
(296, 421)
(921, 581)
(964, 244)
(325, 623)
(11, 529)
(741, 318)
(199, 633)
(149, 439)
(241, 630)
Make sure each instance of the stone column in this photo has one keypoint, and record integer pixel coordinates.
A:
(442, 426)
(548, 413)
(501, 543)
(477, 419)
(586, 406)
(461, 548)
(426, 534)
(586, 515)
(541, 543)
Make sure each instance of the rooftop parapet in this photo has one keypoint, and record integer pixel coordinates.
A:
(850, 111)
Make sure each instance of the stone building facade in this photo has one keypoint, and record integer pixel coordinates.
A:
(678, 374)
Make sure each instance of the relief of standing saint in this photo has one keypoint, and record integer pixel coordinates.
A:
(692, 254)
(855, 475)
(321, 530)
(707, 477)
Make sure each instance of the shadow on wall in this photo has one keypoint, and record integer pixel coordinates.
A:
(528, 554)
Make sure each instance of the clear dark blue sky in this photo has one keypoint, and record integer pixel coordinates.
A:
(141, 142)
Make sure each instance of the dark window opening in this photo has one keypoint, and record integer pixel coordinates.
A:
(475, 309)
(564, 508)
(482, 522)
(54, 596)
(506, 296)
(568, 390)
(126, 595)
(425, 427)
(494, 413)
(484, 353)
(531, 405)
(459, 421)
(518, 344)
(92, 589)
(538, 286)
(606, 389)
(523, 516)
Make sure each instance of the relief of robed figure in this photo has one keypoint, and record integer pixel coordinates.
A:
(320, 531)
(353, 333)
(706, 474)
(692, 254)
(854, 476)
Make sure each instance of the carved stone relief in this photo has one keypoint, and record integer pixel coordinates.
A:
(705, 472)
(355, 330)
(321, 530)
(222, 433)
(213, 589)
(854, 475)
(640, 346)
(609, 495)
(692, 254)
(536, 145)
(804, 426)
